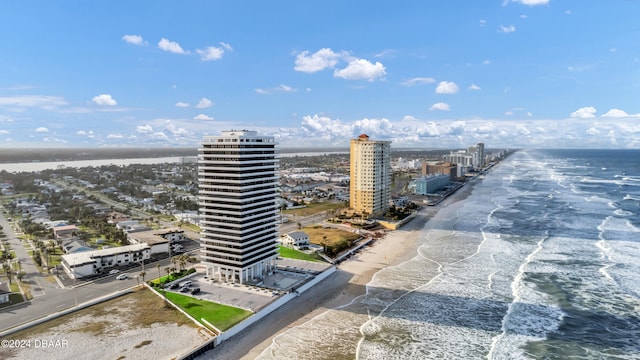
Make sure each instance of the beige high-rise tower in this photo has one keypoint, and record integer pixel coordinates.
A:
(370, 188)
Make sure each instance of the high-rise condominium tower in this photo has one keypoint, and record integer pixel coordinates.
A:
(370, 189)
(238, 176)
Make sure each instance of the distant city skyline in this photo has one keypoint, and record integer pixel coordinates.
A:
(508, 73)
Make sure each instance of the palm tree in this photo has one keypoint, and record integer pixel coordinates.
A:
(142, 274)
(158, 267)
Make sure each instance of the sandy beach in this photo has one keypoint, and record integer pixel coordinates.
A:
(339, 289)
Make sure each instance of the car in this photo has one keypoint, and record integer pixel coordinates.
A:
(186, 283)
(114, 271)
(195, 291)
(122, 277)
(174, 286)
(184, 289)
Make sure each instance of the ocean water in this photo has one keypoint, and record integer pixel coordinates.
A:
(541, 261)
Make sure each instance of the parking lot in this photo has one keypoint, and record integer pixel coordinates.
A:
(291, 273)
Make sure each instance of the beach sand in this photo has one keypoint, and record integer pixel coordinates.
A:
(341, 288)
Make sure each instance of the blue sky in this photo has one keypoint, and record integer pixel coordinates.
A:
(427, 74)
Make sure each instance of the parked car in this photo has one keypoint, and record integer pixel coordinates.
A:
(186, 283)
(184, 289)
(114, 271)
(122, 277)
(195, 291)
(174, 286)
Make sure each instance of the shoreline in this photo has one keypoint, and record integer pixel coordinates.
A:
(343, 287)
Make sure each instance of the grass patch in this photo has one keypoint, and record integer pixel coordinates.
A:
(333, 236)
(221, 316)
(171, 277)
(190, 226)
(315, 208)
(290, 253)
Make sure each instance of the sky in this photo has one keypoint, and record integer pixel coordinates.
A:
(423, 74)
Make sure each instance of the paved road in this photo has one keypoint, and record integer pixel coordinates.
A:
(49, 297)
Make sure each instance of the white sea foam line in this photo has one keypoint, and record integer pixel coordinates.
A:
(515, 291)
(605, 250)
(440, 273)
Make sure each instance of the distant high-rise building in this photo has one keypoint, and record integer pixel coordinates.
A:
(370, 188)
(473, 157)
(238, 187)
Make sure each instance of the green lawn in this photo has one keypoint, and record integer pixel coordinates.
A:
(221, 316)
(315, 208)
(290, 253)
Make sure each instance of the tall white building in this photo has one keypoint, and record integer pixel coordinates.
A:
(238, 187)
(370, 187)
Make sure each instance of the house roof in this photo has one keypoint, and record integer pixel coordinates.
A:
(64, 227)
(297, 235)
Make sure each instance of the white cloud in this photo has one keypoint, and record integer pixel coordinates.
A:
(86, 133)
(204, 103)
(483, 22)
(418, 81)
(134, 39)
(584, 112)
(507, 29)
(531, 2)
(144, 129)
(486, 62)
(474, 87)
(4, 132)
(171, 46)
(41, 101)
(286, 88)
(115, 136)
(279, 88)
(446, 87)
(176, 130)
(202, 117)
(159, 136)
(617, 113)
(320, 60)
(53, 139)
(104, 100)
(440, 106)
(181, 104)
(212, 53)
(361, 69)
(41, 130)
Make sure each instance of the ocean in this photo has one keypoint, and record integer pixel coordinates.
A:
(540, 261)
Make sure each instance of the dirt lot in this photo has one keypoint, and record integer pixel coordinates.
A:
(134, 326)
(317, 235)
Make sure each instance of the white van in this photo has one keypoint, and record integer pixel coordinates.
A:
(186, 283)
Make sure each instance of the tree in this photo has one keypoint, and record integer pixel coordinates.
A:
(142, 274)
(7, 270)
(20, 275)
(158, 267)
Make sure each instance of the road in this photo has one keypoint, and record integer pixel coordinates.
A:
(49, 297)
(105, 200)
